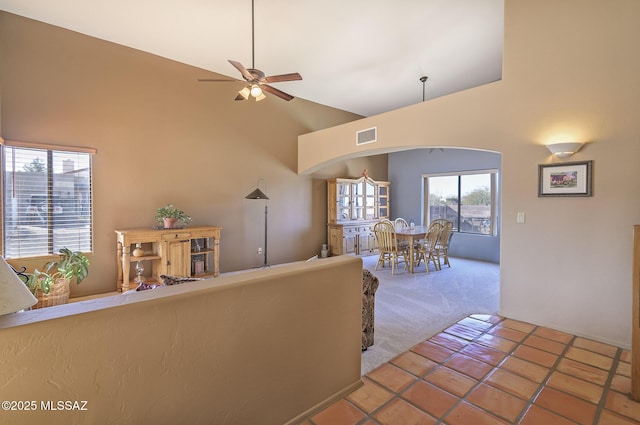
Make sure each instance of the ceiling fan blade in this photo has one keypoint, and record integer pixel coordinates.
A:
(239, 97)
(276, 92)
(245, 74)
(280, 78)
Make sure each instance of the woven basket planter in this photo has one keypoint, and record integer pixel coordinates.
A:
(59, 294)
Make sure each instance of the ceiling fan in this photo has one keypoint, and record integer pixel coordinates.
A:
(256, 79)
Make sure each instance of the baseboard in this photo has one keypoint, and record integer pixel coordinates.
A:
(325, 403)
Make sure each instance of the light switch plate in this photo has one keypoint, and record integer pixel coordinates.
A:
(520, 217)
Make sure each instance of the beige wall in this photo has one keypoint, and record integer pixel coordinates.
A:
(162, 137)
(570, 70)
(261, 347)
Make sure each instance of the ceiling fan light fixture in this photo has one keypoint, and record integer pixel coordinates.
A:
(260, 97)
(245, 92)
(256, 91)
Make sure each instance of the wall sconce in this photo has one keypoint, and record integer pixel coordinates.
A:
(564, 150)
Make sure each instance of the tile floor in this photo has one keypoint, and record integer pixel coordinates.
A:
(489, 370)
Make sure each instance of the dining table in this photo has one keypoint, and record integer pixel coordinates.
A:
(412, 235)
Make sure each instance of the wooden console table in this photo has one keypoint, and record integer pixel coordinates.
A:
(192, 252)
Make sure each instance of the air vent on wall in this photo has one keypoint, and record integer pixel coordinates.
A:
(369, 135)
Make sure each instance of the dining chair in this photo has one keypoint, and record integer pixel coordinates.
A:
(400, 222)
(388, 246)
(442, 247)
(427, 249)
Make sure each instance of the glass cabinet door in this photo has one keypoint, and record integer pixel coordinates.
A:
(383, 201)
(358, 201)
(344, 201)
(370, 201)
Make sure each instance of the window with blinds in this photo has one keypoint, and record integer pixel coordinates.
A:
(46, 200)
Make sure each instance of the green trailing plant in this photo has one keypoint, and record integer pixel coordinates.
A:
(71, 266)
(169, 211)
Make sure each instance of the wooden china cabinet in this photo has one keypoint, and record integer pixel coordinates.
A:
(354, 206)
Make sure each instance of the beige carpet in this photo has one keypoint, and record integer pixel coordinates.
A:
(410, 308)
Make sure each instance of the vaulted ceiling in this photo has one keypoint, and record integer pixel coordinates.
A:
(362, 56)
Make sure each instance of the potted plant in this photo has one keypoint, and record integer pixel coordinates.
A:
(51, 285)
(169, 216)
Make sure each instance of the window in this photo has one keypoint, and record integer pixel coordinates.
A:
(466, 199)
(46, 199)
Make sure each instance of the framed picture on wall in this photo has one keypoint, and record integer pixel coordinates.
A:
(567, 179)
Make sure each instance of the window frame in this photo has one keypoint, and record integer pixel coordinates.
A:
(493, 175)
(48, 151)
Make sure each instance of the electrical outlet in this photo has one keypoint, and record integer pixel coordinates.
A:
(259, 250)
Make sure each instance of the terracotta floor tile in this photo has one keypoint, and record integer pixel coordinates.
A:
(450, 380)
(370, 396)
(339, 413)
(468, 365)
(553, 334)
(622, 384)
(507, 333)
(598, 347)
(545, 344)
(518, 325)
(496, 342)
(497, 402)
(491, 318)
(513, 384)
(539, 416)
(525, 369)
(466, 414)
(623, 405)
(610, 418)
(583, 371)
(399, 412)
(432, 351)
(430, 398)
(438, 381)
(449, 341)
(566, 405)
(536, 356)
(392, 377)
(575, 386)
(486, 354)
(624, 369)
(475, 324)
(414, 363)
(590, 358)
(463, 332)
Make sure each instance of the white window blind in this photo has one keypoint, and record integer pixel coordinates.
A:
(47, 200)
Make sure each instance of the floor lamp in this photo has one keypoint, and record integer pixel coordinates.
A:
(258, 194)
